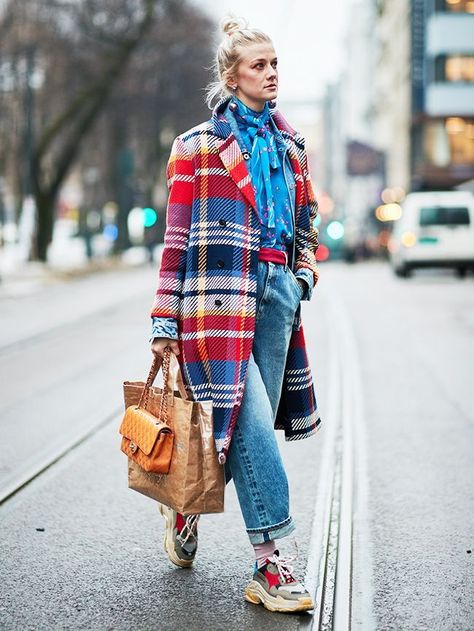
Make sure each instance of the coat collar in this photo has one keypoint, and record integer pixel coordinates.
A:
(221, 127)
(233, 158)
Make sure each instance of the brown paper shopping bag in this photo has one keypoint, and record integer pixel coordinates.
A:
(195, 482)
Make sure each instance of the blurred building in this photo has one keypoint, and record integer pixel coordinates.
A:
(401, 116)
(391, 108)
(442, 103)
(306, 117)
(333, 159)
(354, 174)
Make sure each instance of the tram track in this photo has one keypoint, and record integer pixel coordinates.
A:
(341, 485)
(11, 485)
(78, 302)
(51, 332)
(71, 366)
(80, 422)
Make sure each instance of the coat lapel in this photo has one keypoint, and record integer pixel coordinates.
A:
(230, 153)
(300, 193)
(234, 162)
(295, 141)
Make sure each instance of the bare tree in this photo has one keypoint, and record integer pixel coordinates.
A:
(95, 81)
(75, 121)
(162, 90)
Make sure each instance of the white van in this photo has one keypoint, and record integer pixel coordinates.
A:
(436, 229)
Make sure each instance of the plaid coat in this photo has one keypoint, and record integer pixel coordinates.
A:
(208, 274)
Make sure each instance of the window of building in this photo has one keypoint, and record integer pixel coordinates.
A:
(455, 68)
(460, 68)
(449, 141)
(457, 6)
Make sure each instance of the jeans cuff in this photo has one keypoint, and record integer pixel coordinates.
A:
(273, 532)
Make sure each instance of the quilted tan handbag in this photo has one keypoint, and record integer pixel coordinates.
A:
(148, 439)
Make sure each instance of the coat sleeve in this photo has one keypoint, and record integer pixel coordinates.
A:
(307, 236)
(180, 181)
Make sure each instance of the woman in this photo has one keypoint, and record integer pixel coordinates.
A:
(238, 257)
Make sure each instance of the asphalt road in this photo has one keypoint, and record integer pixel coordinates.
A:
(79, 550)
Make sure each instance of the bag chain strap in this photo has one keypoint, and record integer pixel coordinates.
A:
(163, 413)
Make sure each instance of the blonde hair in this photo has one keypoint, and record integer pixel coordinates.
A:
(237, 34)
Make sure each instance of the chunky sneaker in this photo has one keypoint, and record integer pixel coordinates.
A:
(181, 537)
(274, 586)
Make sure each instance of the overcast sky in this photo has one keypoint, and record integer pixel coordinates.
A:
(308, 36)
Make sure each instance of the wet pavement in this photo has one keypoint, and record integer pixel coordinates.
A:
(80, 550)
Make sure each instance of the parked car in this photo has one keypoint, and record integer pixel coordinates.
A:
(436, 229)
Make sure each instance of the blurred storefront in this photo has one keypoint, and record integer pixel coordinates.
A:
(401, 116)
(442, 71)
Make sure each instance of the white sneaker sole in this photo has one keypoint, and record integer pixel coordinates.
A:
(256, 594)
(170, 519)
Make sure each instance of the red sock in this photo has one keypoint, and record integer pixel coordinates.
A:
(180, 522)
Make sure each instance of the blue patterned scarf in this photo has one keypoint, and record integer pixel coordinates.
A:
(264, 155)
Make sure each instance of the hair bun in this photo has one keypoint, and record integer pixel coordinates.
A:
(231, 24)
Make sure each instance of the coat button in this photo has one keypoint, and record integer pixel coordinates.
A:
(220, 263)
(246, 155)
(218, 303)
(222, 222)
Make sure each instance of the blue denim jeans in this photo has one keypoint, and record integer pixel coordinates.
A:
(254, 461)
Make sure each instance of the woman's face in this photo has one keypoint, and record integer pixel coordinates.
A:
(256, 76)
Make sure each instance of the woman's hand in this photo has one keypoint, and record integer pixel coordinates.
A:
(160, 343)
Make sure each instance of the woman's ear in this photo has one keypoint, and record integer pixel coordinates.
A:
(230, 82)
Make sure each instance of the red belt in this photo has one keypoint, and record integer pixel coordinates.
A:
(273, 255)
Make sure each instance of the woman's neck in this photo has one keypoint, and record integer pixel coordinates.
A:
(256, 106)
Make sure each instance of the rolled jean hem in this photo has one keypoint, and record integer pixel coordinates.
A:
(272, 533)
